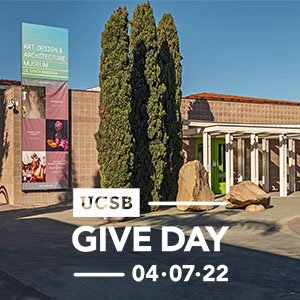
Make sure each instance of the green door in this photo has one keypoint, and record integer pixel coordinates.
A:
(218, 175)
(218, 178)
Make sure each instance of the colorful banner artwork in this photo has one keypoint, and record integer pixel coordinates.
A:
(45, 111)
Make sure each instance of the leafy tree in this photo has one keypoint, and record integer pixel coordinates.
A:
(147, 109)
(171, 73)
(114, 138)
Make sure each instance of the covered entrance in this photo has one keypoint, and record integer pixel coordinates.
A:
(215, 148)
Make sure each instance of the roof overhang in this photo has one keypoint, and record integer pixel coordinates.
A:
(270, 131)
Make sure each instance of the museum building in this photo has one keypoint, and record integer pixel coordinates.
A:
(241, 138)
(236, 138)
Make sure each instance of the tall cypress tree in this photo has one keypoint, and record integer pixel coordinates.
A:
(171, 73)
(147, 108)
(114, 139)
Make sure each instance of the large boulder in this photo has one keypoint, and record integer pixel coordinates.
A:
(193, 186)
(246, 193)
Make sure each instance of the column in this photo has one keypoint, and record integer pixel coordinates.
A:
(241, 159)
(254, 158)
(282, 165)
(292, 166)
(265, 165)
(229, 161)
(207, 154)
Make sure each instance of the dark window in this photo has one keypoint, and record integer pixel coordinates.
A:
(200, 152)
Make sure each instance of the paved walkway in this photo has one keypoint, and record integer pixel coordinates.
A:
(10, 288)
(261, 250)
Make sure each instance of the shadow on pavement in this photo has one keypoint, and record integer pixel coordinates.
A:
(10, 288)
(213, 218)
(39, 253)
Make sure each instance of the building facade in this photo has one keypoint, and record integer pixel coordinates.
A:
(242, 138)
(83, 165)
(236, 138)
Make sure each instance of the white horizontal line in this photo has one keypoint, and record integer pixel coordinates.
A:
(176, 203)
(99, 274)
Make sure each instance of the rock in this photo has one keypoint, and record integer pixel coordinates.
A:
(193, 186)
(114, 219)
(246, 193)
(255, 207)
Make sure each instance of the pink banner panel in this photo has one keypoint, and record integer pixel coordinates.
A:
(34, 135)
(56, 103)
(57, 167)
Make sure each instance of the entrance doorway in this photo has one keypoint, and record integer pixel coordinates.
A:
(218, 167)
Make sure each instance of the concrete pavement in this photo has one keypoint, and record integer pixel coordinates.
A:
(261, 250)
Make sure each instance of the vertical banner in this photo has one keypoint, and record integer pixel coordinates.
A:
(45, 117)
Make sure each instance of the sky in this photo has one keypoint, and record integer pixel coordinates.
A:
(238, 48)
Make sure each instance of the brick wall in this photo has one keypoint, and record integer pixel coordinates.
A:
(83, 155)
(7, 140)
(240, 112)
(189, 149)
